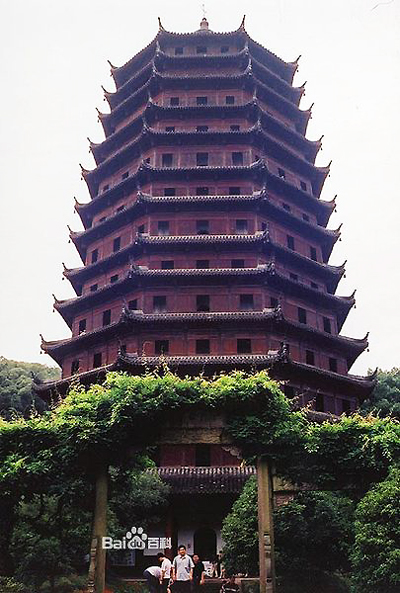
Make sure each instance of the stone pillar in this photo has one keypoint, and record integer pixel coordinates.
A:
(97, 569)
(265, 526)
(170, 531)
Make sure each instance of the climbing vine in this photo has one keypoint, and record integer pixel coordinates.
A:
(105, 421)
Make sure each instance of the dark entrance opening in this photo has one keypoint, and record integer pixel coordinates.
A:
(205, 543)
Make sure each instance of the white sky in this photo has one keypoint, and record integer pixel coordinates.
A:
(53, 61)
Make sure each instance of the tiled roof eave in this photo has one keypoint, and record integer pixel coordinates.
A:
(261, 239)
(353, 346)
(363, 385)
(65, 306)
(82, 238)
(205, 480)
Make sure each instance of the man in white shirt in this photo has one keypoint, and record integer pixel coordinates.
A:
(166, 566)
(152, 574)
(182, 571)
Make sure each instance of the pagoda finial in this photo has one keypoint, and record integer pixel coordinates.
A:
(242, 27)
(204, 21)
(204, 24)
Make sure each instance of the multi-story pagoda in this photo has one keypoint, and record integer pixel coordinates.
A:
(205, 239)
(205, 243)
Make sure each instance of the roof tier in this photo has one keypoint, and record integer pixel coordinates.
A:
(260, 200)
(284, 70)
(266, 275)
(257, 171)
(278, 363)
(162, 61)
(254, 136)
(271, 320)
(261, 241)
(251, 110)
(246, 80)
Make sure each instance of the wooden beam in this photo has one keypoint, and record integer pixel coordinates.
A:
(265, 526)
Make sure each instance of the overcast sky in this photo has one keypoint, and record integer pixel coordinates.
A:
(53, 61)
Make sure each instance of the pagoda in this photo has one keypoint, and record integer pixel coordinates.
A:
(205, 242)
(205, 248)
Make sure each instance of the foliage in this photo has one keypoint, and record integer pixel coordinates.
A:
(136, 497)
(312, 522)
(116, 422)
(10, 585)
(106, 421)
(317, 583)
(51, 535)
(16, 395)
(66, 584)
(385, 398)
(348, 454)
(376, 554)
(52, 532)
(240, 533)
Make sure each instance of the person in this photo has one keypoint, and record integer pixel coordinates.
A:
(229, 586)
(198, 573)
(152, 574)
(165, 571)
(215, 566)
(221, 566)
(182, 571)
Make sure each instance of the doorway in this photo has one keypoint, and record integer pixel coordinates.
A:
(205, 543)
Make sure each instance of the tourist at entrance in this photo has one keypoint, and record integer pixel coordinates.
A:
(229, 586)
(166, 566)
(198, 573)
(217, 566)
(153, 576)
(182, 571)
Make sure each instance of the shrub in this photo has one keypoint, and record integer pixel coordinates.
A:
(9, 585)
(376, 553)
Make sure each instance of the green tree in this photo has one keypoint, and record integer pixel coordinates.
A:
(16, 395)
(376, 554)
(137, 497)
(385, 398)
(313, 535)
(240, 533)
